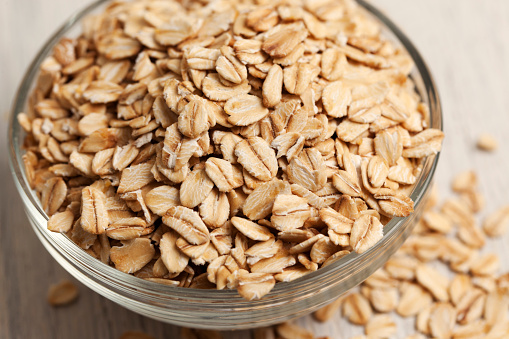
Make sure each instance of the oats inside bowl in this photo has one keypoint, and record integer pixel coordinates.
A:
(226, 144)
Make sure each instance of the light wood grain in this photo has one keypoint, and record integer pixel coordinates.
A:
(467, 47)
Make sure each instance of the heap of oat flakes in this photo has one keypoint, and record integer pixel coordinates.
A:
(226, 144)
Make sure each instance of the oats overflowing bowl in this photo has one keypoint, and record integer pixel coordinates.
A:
(225, 164)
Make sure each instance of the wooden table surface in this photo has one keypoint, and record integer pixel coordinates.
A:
(466, 44)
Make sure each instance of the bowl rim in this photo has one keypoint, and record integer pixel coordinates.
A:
(133, 286)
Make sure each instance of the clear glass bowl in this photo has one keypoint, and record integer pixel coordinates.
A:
(222, 310)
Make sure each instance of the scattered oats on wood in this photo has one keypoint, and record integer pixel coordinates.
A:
(291, 331)
(189, 149)
(327, 312)
(487, 142)
(413, 299)
(497, 223)
(384, 300)
(63, 293)
(464, 181)
(475, 329)
(433, 281)
(356, 309)
(485, 265)
(437, 222)
(380, 326)
(471, 306)
(495, 310)
(381, 279)
(441, 320)
(479, 299)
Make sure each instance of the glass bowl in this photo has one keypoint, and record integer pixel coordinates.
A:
(225, 309)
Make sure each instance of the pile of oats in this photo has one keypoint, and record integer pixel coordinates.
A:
(226, 144)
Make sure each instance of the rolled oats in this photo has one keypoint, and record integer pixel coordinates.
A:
(264, 333)
(289, 144)
(260, 201)
(413, 299)
(273, 86)
(433, 281)
(384, 300)
(323, 249)
(366, 231)
(425, 143)
(53, 195)
(225, 176)
(132, 255)
(442, 320)
(291, 331)
(487, 142)
(333, 64)
(478, 298)
(61, 222)
(487, 264)
(394, 204)
(298, 77)
(437, 222)
(255, 285)
(289, 212)
(281, 40)
(356, 309)
(94, 215)
(327, 312)
(464, 181)
(275, 264)
(256, 156)
(307, 170)
(476, 329)
(495, 310)
(256, 142)
(289, 116)
(214, 89)
(190, 196)
(244, 110)
(381, 326)
(135, 177)
(251, 230)
(471, 306)
(215, 209)
(195, 117)
(161, 198)
(188, 224)
(63, 293)
(381, 279)
(496, 224)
